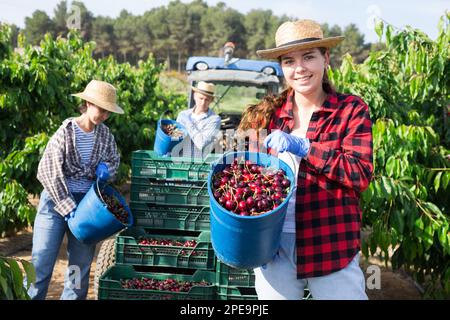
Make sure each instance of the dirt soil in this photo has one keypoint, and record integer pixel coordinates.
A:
(394, 285)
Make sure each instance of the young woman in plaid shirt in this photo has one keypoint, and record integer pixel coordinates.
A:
(326, 137)
(81, 150)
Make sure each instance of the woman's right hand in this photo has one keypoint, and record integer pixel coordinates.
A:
(69, 215)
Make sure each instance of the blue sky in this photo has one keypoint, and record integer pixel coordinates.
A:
(419, 14)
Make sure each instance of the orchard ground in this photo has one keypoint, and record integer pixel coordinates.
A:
(393, 285)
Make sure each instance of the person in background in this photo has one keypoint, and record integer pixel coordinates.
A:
(81, 150)
(201, 123)
(326, 138)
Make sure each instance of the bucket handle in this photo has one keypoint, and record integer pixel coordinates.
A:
(98, 191)
(165, 113)
(101, 197)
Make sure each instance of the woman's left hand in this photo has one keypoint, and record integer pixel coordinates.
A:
(282, 141)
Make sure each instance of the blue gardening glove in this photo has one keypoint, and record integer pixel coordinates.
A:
(282, 141)
(102, 172)
(69, 215)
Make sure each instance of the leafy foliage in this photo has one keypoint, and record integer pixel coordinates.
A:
(12, 278)
(407, 206)
(35, 88)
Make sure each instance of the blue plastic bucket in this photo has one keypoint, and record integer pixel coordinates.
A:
(163, 142)
(93, 222)
(247, 242)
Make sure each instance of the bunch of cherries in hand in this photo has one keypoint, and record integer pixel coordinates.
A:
(248, 189)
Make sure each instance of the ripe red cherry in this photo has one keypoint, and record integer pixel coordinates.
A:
(229, 205)
(250, 202)
(277, 196)
(258, 190)
(242, 205)
(285, 183)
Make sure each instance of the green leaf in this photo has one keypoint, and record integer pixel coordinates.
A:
(442, 235)
(411, 215)
(373, 246)
(433, 208)
(379, 26)
(437, 181)
(6, 289)
(445, 180)
(390, 166)
(16, 275)
(388, 187)
(30, 272)
(428, 237)
(398, 221)
(418, 228)
(368, 193)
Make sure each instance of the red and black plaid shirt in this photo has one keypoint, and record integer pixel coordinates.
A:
(331, 177)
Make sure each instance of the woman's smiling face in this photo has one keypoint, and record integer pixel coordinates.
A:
(304, 69)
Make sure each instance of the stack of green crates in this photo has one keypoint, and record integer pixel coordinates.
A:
(170, 201)
(234, 283)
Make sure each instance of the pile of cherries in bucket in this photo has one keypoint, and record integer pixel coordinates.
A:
(172, 130)
(116, 208)
(248, 189)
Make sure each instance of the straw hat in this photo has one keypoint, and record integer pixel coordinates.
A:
(298, 35)
(102, 94)
(205, 88)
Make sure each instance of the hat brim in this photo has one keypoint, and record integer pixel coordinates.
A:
(206, 93)
(112, 107)
(279, 51)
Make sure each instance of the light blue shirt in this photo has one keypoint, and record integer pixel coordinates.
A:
(202, 130)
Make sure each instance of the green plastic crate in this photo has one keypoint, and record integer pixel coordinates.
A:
(236, 293)
(148, 164)
(229, 276)
(175, 217)
(148, 190)
(128, 250)
(110, 287)
(246, 293)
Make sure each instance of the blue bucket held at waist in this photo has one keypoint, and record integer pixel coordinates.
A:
(247, 242)
(93, 222)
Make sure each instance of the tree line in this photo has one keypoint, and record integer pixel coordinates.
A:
(178, 30)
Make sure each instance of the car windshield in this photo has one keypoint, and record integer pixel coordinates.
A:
(234, 98)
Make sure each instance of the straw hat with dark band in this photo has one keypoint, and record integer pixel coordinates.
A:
(102, 94)
(205, 88)
(298, 35)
